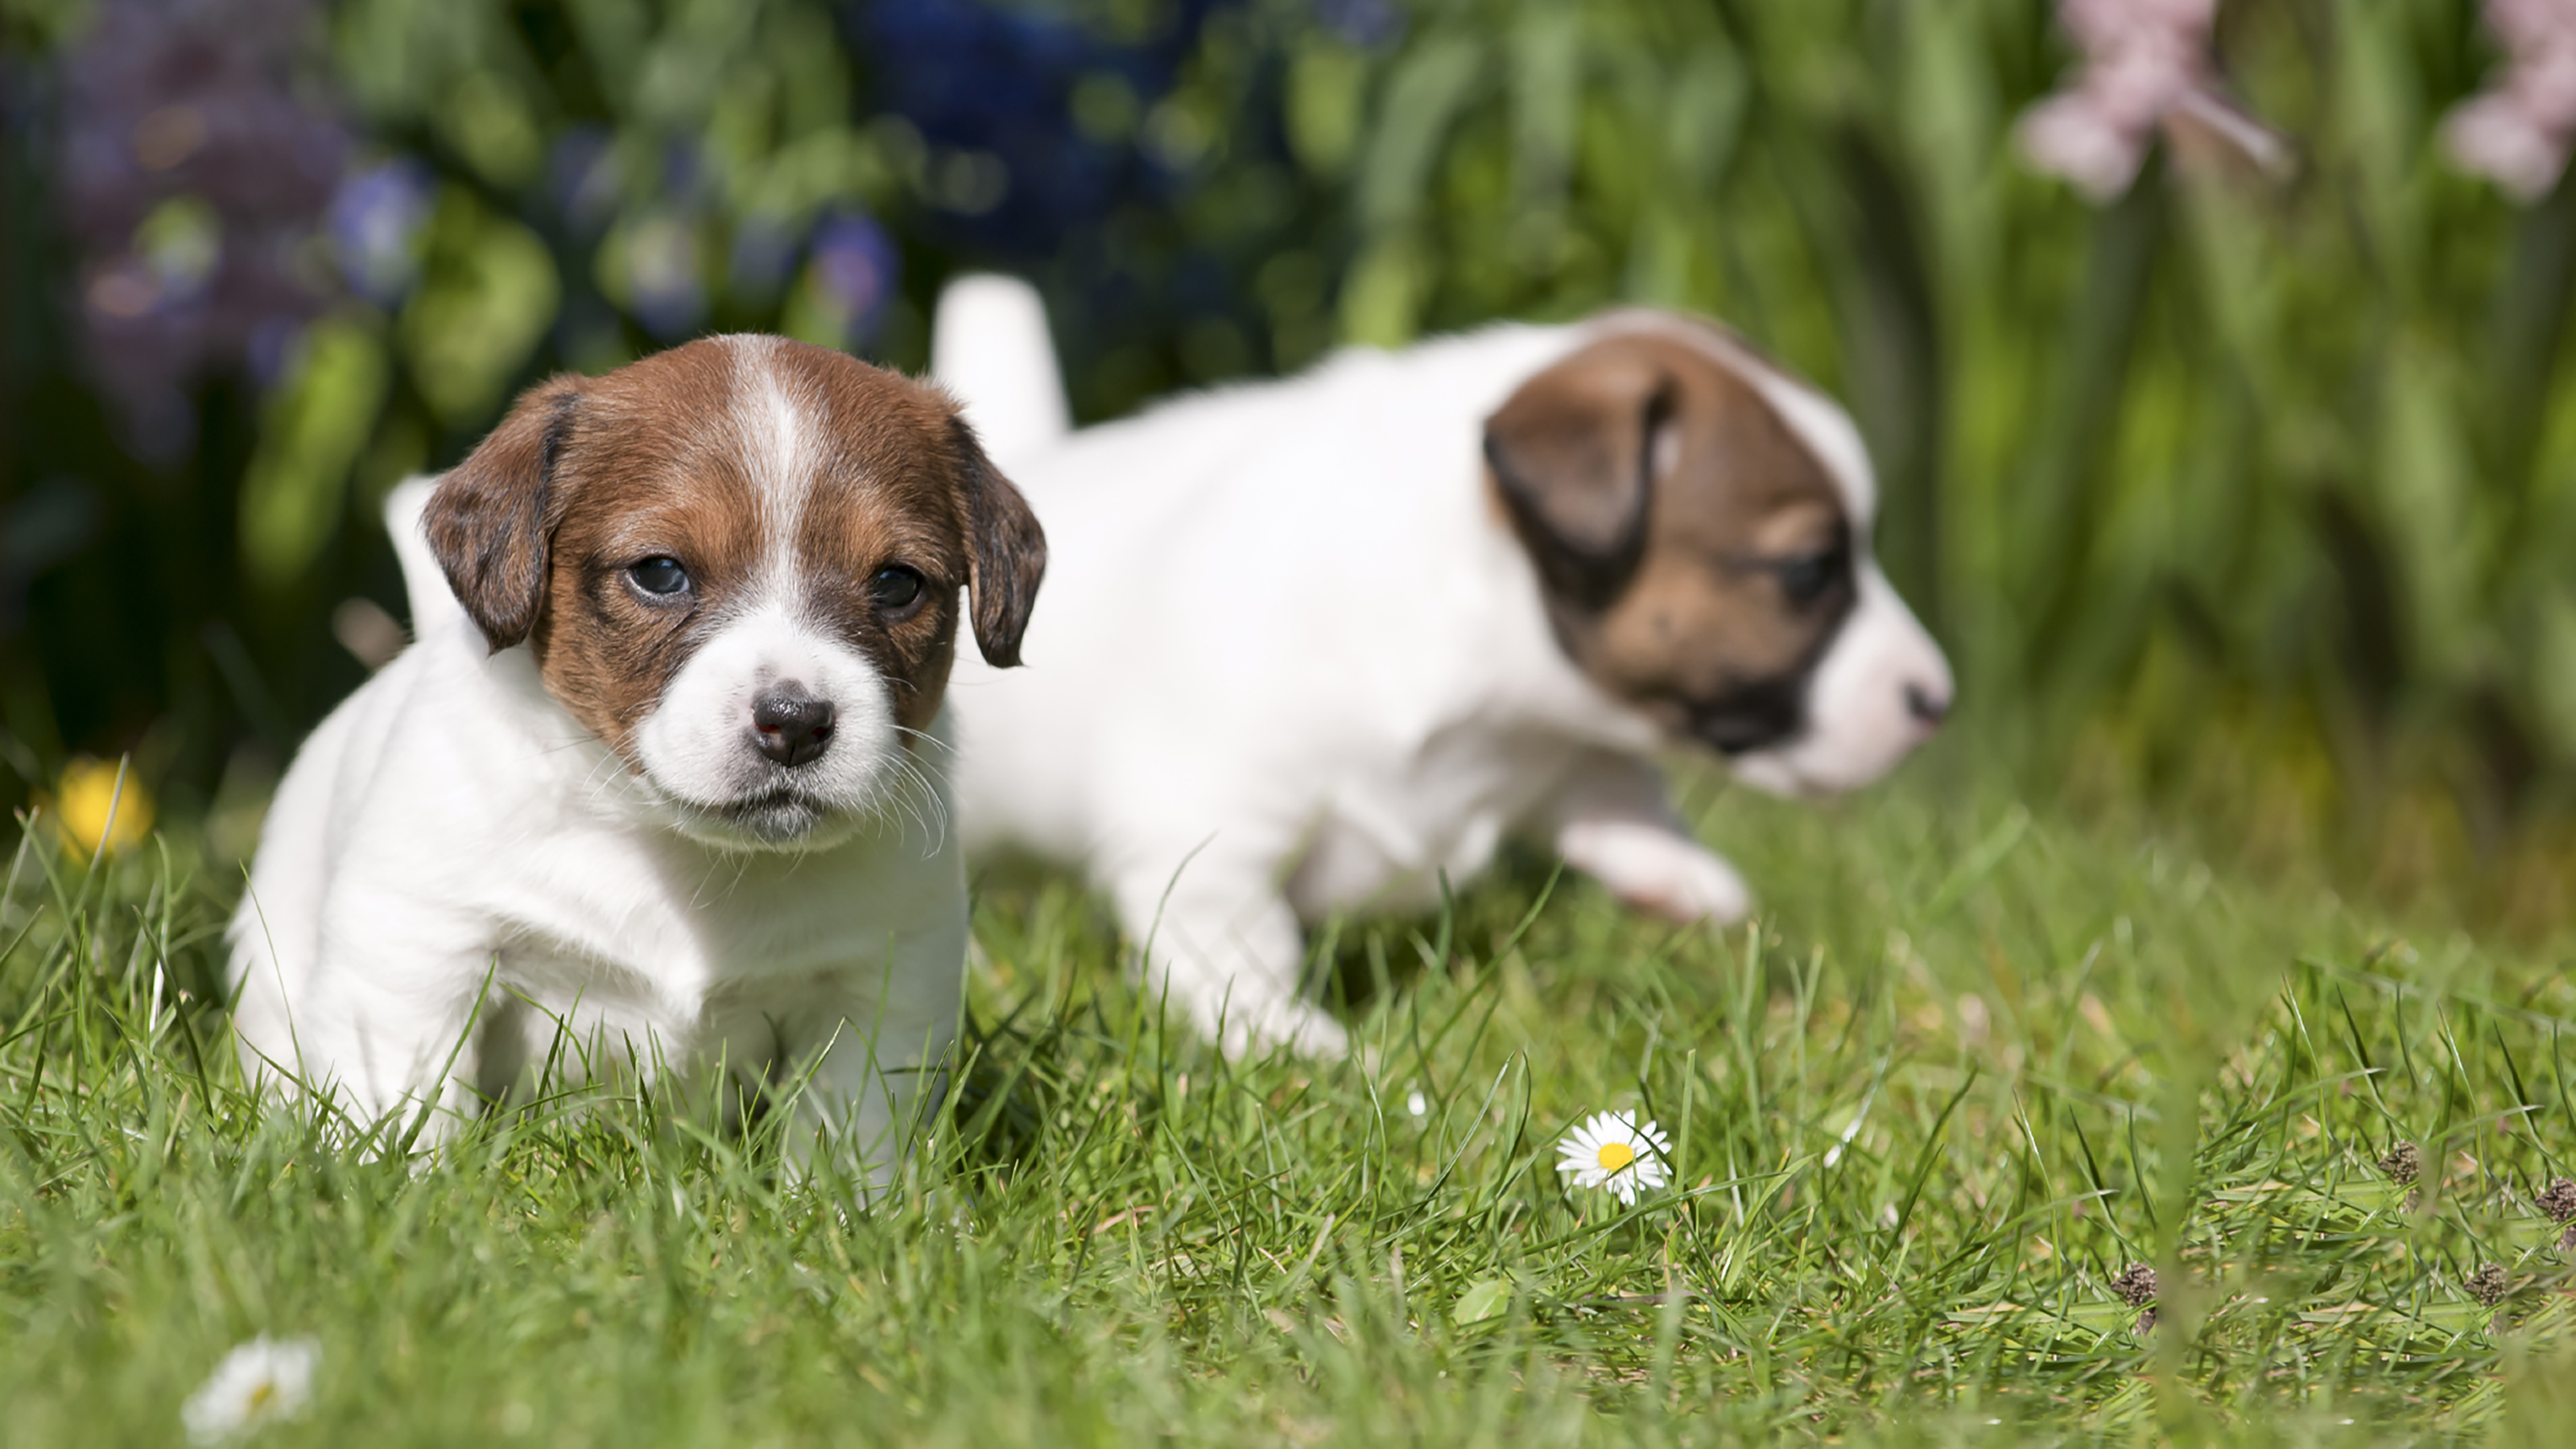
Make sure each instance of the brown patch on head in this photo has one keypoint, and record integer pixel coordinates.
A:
(763, 469)
(1694, 554)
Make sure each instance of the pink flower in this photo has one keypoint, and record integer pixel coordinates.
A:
(2146, 67)
(2518, 133)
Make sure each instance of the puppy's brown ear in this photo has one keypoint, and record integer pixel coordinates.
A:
(1009, 551)
(1573, 454)
(488, 520)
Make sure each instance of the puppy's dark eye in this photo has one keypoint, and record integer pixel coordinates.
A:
(895, 588)
(1805, 580)
(660, 574)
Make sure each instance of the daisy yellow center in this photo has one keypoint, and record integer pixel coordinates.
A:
(1615, 1156)
(262, 1393)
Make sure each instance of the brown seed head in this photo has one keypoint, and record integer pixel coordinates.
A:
(2404, 1162)
(2558, 1200)
(2136, 1285)
(2488, 1285)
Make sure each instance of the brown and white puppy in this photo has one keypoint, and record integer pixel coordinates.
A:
(1312, 644)
(664, 779)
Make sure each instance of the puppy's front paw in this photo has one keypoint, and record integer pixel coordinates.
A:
(1655, 870)
(1306, 1031)
(1249, 1023)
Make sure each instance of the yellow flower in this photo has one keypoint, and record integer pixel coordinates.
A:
(91, 805)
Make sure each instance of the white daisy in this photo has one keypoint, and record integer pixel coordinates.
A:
(262, 1381)
(1616, 1151)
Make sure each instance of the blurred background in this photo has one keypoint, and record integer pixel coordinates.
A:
(2212, 357)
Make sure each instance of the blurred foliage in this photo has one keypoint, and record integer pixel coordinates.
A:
(2250, 498)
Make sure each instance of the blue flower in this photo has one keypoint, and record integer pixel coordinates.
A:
(663, 273)
(581, 177)
(855, 269)
(375, 223)
(990, 89)
(1368, 24)
(763, 252)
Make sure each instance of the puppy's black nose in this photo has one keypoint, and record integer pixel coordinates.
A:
(790, 725)
(1925, 705)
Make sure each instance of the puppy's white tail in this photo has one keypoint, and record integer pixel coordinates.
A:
(424, 582)
(989, 346)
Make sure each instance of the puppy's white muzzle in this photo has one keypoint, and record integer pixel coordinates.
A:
(774, 736)
(1881, 689)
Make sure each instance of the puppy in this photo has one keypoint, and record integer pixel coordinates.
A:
(1314, 643)
(663, 781)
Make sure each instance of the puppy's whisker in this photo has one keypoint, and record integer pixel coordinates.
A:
(924, 804)
(591, 782)
(944, 747)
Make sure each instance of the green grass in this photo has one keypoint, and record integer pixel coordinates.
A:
(2046, 1051)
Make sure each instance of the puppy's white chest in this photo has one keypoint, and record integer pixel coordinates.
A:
(693, 922)
(664, 953)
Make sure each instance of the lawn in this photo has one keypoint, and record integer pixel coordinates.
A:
(1972, 1063)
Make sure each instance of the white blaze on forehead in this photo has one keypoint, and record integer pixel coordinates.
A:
(777, 447)
(698, 745)
(1818, 420)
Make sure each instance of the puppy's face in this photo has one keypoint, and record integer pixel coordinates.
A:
(738, 564)
(1700, 522)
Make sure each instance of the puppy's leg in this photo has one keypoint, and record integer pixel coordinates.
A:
(392, 1042)
(1222, 944)
(385, 1020)
(864, 1096)
(1614, 823)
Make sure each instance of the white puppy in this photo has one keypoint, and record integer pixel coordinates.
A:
(669, 788)
(1311, 644)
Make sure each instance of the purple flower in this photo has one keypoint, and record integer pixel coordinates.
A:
(272, 346)
(2146, 68)
(194, 173)
(581, 176)
(663, 275)
(1368, 24)
(685, 174)
(2518, 133)
(855, 270)
(376, 219)
(763, 250)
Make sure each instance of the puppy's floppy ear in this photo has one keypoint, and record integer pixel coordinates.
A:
(1574, 455)
(489, 519)
(1009, 550)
